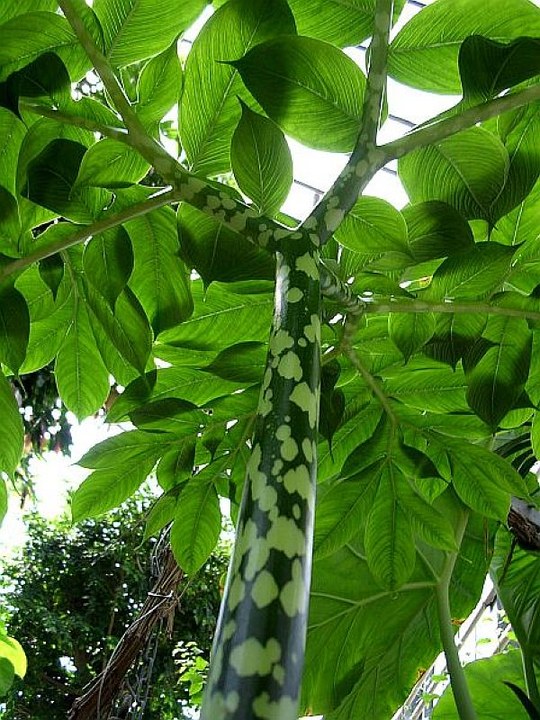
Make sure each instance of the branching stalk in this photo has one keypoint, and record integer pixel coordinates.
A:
(372, 384)
(460, 688)
(116, 133)
(366, 159)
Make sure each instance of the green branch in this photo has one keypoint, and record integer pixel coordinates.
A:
(88, 231)
(439, 130)
(366, 159)
(460, 688)
(116, 133)
(219, 204)
(372, 383)
(339, 292)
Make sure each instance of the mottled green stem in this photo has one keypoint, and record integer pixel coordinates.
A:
(460, 689)
(366, 159)
(339, 292)
(439, 130)
(257, 661)
(220, 204)
(87, 231)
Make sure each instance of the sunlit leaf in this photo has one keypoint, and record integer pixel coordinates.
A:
(11, 428)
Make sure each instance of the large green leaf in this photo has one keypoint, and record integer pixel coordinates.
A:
(486, 679)
(209, 110)
(223, 318)
(111, 164)
(119, 450)
(476, 273)
(372, 664)
(454, 336)
(345, 24)
(12, 131)
(427, 385)
(14, 327)
(261, 161)
(197, 525)
(52, 183)
(108, 262)
(10, 224)
(436, 230)
(411, 331)
(27, 36)
(137, 29)
(126, 328)
(159, 86)
(488, 67)
(516, 575)
(467, 171)
(219, 253)
(159, 279)
(496, 381)
(11, 428)
(374, 235)
(81, 377)
(312, 90)
(12, 652)
(9, 10)
(433, 37)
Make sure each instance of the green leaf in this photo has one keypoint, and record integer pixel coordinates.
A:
(9, 10)
(433, 37)
(312, 90)
(108, 262)
(159, 86)
(11, 429)
(137, 29)
(27, 36)
(11, 650)
(261, 161)
(10, 224)
(483, 480)
(436, 230)
(410, 331)
(7, 675)
(486, 679)
(51, 270)
(52, 178)
(426, 521)
(159, 279)
(176, 466)
(389, 541)
(126, 328)
(454, 336)
(111, 164)
(194, 386)
(197, 525)
(12, 131)
(81, 377)
(14, 327)
(345, 24)
(476, 273)
(45, 82)
(161, 514)
(488, 67)
(3, 500)
(374, 235)
(209, 110)
(218, 253)
(132, 447)
(105, 490)
(244, 362)
(434, 387)
(223, 318)
(496, 382)
(467, 171)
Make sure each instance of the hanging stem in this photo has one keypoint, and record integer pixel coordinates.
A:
(460, 688)
(258, 653)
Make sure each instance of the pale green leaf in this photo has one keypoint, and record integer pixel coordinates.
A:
(161, 514)
(197, 525)
(137, 29)
(433, 37)
(159, 86)
(11, 650)
(261, 161)
(11, 428)
(410, 331)
(111, 164)
(119, 450)
(12, 132)
(428, 386)
(81, 377)
(209, 110)
(159, 279)
(467, 171)
(436, 230)
(108, 262)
